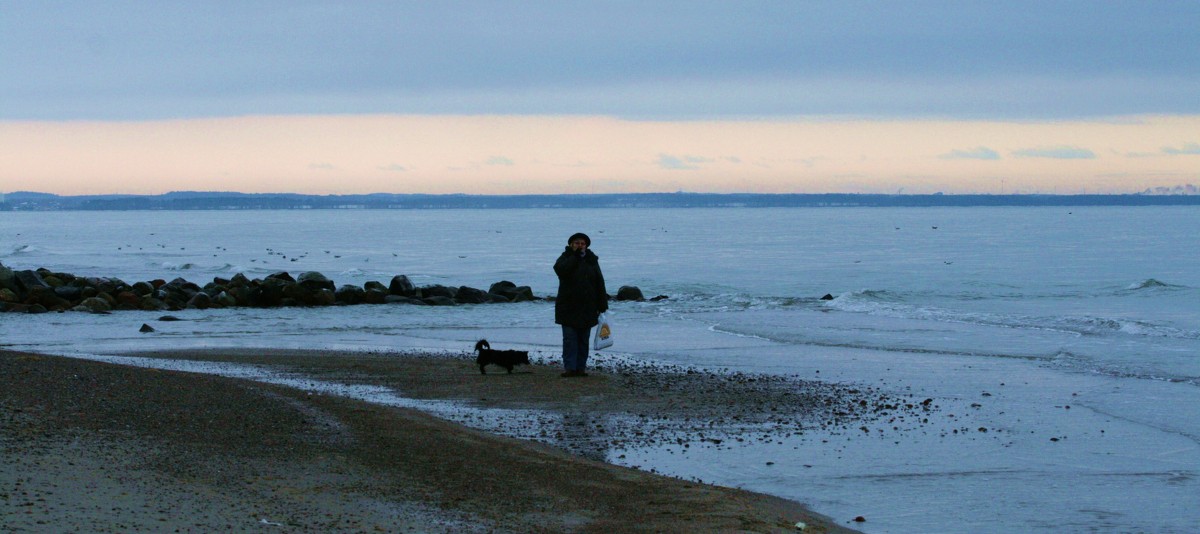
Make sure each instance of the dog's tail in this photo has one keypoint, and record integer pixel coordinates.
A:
(482, 344)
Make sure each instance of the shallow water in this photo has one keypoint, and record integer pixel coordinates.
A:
(1072, 335)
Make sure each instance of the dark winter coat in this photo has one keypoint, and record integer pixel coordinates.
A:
(581, 293)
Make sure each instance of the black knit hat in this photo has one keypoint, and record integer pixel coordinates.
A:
(580, 235)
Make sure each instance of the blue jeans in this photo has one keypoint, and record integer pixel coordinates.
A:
(575, 348)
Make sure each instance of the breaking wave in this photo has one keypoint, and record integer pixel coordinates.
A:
(18, 250)
(890, 304)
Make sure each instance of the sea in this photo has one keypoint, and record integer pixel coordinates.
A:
(1062, 344)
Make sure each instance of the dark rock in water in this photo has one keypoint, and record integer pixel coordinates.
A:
(511, 291)
(630, 293)
(438, 301)
(375, 295)
(437, 291)
(239, 280)
(658, 298)
(281, 275)
(152, 304)
(28, 280)
(313, 281)
(501, 286)
(224, 300)
(180, 286)
(167, 318)
(200, 301)
(470, 295)
(268, 293)
(402, 286)
(142, 289)
(95, 305)
(129, 298)
(48, 297)
(827, 297)
(401, 299)
(349, 294)
(8, 279)
(324, 297)
(146, 328)
(8, 295)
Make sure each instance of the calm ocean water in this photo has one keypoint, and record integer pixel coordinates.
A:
(1072, 334)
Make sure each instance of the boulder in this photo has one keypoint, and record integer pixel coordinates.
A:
(94, 305)
(401, 299)
(71, 293)
(200, 301)
(27, 280)
(349, 294)
(107, 285)
(630, 293)
(267, 293)
(470, 295)
(438, 301)
(47, 297)
(179, 286)
(224, 300)
(8, 279)
(281, 275)
(129, 298)
(7, 295)
(375, 295)
(437, 290)
(323, 297)
(511, 291)
(314, 281)
(142, 289)
(152, 304)
(402, 286)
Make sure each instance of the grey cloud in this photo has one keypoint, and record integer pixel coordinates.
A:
(499, 160)
(1057, 152)
(668, 161)
(1190, 149)
(974, 153)
(683, 163)
(394, 168)
(676, 59)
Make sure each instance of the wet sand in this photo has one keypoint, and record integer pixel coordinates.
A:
(99, 447)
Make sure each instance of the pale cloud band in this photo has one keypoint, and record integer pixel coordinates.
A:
(337, 154)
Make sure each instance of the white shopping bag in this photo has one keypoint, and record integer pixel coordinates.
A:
(603, 338)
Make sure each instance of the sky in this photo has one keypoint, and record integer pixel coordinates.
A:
(501, 97)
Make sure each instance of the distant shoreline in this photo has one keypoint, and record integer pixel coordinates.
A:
(186, 200)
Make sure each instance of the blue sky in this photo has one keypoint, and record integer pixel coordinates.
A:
(121, 60)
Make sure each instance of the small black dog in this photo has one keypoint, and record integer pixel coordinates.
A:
(504, 358)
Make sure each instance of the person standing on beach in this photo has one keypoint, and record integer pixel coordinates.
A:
(581, 299)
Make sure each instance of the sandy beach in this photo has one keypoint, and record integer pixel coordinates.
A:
(91, 446)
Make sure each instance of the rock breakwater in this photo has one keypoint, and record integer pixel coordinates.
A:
(42, 290)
